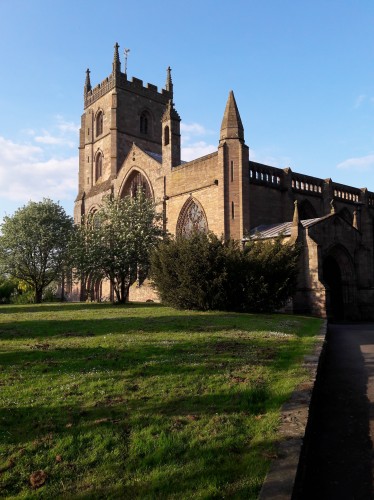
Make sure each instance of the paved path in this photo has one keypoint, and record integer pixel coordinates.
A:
(337, 463)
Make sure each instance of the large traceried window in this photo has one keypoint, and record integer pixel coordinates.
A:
(135, 182)
(191, 218)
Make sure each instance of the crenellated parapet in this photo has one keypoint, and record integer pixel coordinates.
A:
(120, 81)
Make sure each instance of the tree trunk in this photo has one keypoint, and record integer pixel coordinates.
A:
(123, 292)
(38, 295)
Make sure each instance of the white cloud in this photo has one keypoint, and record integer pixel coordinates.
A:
(196, 150)
(43, 170)
(193, 143)
(65, 126)
(47, 138)
(193, 129)
(362, 163)
(359, 100)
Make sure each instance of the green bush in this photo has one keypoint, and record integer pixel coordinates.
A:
(7, 288)
(204, 272)
(271, 269)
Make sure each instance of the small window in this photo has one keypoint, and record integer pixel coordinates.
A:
(166, 135)
(88, 131)
(232, 210)
(88, 159)
(99, 123)
(98, 166)
(232, 171)
(144, 123)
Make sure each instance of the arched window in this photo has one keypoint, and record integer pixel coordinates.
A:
(306, 210)
(144, 123)
(98, 166)
(166, 135)
(135, 182)
(99, 123)
(191, 218)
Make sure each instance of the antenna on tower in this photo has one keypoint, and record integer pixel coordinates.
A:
(126, 51)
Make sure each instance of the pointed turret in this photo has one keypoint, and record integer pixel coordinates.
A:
(116, 61)
(87, 85)
(171, 138)
(169, 82)
(295, 220)
(296, 226)
(170, 113)
(232, 127)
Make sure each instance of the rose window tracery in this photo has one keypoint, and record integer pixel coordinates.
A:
(191, 219)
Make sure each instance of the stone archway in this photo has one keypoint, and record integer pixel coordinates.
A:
(136, 180)
(339, 279)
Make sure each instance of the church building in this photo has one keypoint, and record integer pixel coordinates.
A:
(130, 137)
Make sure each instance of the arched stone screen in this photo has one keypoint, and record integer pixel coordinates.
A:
(136, 181)
(191, 218)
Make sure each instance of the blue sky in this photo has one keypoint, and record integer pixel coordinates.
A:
(302, 72)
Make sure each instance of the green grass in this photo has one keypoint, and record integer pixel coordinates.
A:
(143, 401)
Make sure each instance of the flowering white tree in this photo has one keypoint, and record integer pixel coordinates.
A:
(116, 241)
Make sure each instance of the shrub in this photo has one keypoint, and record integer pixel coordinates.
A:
(193, 273)
(271, 269)
(7, 288)
(204, 272)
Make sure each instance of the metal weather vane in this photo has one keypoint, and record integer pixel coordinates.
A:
(126, 52)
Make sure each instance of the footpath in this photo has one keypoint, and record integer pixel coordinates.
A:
(336, 461)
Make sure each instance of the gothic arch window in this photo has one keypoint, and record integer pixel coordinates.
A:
(166, 135)
(145, 123)
(135, 182)
(306, 210)
(99, 123)
(191, 218)
(98, 166)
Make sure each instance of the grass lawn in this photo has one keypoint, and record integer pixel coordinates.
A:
(142, 401)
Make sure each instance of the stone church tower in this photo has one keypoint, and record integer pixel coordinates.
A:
(130, 136)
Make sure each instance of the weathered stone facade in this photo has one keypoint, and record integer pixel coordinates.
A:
(130, 134)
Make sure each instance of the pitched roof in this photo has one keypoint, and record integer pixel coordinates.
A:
(155, 156)
(284, 228)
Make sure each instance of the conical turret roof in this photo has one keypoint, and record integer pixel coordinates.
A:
(232, 127)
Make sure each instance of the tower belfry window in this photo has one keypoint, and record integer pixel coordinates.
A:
(166, 135)
(98, 166)
(99, 123)
(144, 123)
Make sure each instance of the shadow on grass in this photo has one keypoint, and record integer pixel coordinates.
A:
(171, 467)
(146, 359)
(201, 323)
(71, 306)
